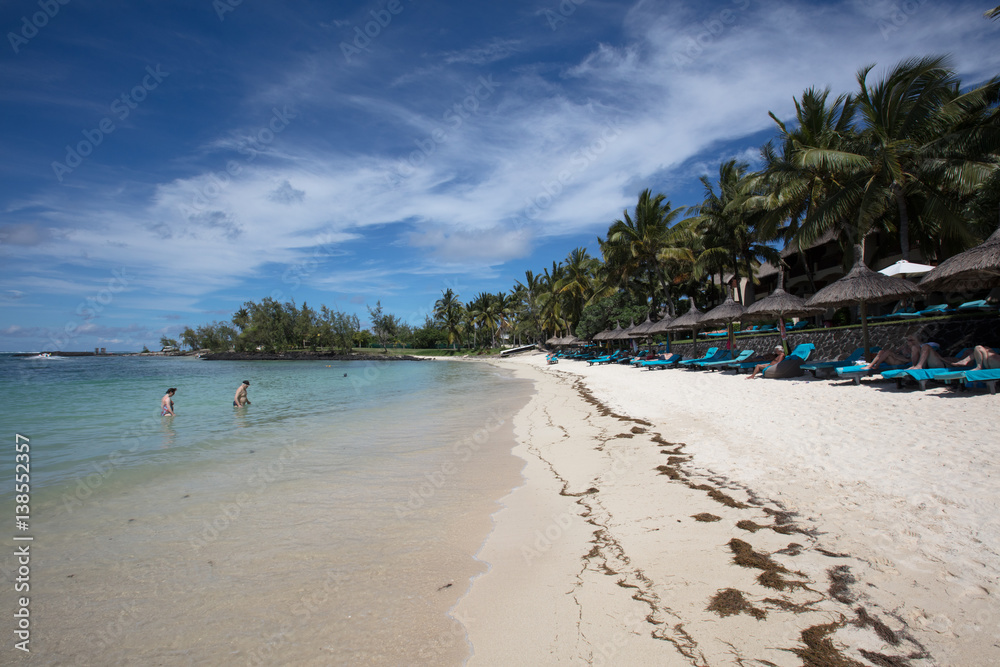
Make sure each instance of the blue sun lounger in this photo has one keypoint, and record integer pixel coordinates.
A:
(605, 359)
(980, 304)
(989, 377)
(720, 355)
(829, 367)
(940, 309)
(667, 362)
(858, 371)
(920, 375)
(723, 363)
(712, 351)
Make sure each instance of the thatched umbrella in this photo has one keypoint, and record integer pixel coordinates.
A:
(627, 333)
(660, 326)
(642, 330)
(977, 268)
(862, 286)
(780, 304)
(687, 321)
(724, 313)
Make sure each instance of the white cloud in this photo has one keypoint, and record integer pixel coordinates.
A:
(541, 156)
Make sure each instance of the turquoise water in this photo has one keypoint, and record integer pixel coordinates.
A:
(333, 520)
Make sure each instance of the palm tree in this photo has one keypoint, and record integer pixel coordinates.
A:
(793, 189)
(579, 283)
(993, 13)
(920, 151)
(241, 318)
(635, 248)
(550, 301)
(529, 293)
(448, 311)
(491, 312)
(733, 226)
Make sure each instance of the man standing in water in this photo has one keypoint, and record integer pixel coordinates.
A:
(241, 395)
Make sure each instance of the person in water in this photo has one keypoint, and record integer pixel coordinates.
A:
(241, 395)
(167, 403)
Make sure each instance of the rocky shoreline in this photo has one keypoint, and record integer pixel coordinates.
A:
(305, 356)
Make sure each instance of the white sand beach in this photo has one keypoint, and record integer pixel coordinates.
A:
(824, 523)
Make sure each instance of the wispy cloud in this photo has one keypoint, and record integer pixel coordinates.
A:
(472, 151)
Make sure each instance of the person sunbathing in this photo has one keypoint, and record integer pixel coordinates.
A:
(929, 357)
(907, 353)
(983, 358)
(779, 354)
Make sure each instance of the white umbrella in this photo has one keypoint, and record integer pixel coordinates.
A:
(905, 268)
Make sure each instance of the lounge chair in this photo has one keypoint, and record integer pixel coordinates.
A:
(791, 366)
(722, 363)
(721, 355)
(607, 359)
(989, 377)
(666, 362)
(858, 371)
(971, 306)
(708, 356)
(920, 375)
(931, 311)
(829, 367)
(747, 365)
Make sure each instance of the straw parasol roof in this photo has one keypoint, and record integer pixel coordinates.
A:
(724, 313)
(617, 334)
(688, 320)
(660, 326)
(642, 330)
(779, 304)
(628, 331)
(862, 286)
(977, 268)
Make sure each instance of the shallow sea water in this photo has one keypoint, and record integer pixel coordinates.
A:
(333, 521)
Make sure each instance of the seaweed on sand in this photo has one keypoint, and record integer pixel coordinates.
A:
(729, 602)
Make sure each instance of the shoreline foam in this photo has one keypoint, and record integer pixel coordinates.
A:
(876, 519)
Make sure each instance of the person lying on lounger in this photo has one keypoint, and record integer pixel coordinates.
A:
(983, 358)
(779, 354)
(907, 353)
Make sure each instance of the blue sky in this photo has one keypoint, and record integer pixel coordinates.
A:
(165, 162)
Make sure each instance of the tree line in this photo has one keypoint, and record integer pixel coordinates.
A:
(908, 161)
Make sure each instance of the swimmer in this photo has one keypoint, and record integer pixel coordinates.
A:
(167, 404)
(241, 395)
